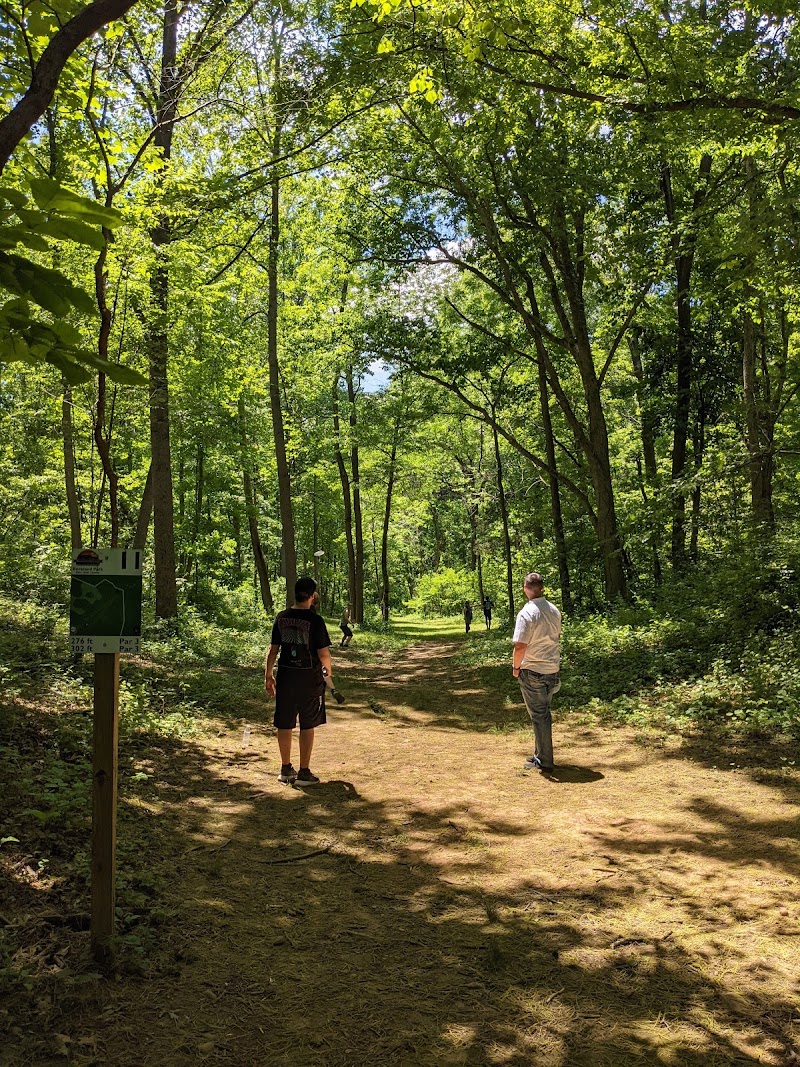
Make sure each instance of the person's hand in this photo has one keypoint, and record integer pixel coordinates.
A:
(269, 684)
(515, 671)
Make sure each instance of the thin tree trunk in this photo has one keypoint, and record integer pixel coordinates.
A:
(252, 515)
(199, 489)
(346, 498)
(102, 435)
(684, 245)
(501, 497)
(358, 595)
(73, 505)
(437, 538)
(479, 487)
(158, 347)
(385, 536)
(284, 479)
(759, 432)
(648, 435)
(761, 395)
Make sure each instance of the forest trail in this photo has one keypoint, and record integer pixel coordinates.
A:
(430, 903)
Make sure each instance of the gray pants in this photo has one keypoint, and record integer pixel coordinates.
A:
(538, 691)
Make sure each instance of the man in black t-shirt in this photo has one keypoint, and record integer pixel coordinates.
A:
(301, 645)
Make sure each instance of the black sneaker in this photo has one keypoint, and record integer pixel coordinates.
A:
(288, 774)
(305, 777)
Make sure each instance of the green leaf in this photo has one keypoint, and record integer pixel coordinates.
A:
(50, 196)
(49, 289)
(75, 373)
(15, 349)
(74, 230)
(11, 236)
(9, 840)
(14, 197)
(116, 371)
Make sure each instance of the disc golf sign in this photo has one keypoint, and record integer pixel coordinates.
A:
(105, 619)
(106, 601)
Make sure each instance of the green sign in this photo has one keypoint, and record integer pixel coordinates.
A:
(106, 600)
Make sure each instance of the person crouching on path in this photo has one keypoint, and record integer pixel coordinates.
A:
(301, 645)
(536, 663)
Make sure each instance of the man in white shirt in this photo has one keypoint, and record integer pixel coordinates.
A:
(536, 663)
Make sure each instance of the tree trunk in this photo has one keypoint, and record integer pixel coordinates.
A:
(592, 437)
(158, 342)
(284, 478)
(501, 496)
(102, 435)
(759, 432)
(761, 394)
(145, 512)
(346, 498)
(683, 245)
(252, 515)
(648, 436)
(199, 489)
(73, 505)
(358, 593)
(385, 536)
(555, 495)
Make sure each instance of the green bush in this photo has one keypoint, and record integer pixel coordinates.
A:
(443, 593)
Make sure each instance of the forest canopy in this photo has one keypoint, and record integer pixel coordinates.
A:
(412, 296)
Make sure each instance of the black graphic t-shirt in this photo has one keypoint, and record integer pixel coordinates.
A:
(300, 632)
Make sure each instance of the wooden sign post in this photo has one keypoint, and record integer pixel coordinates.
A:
(106, 619)
(104, 805)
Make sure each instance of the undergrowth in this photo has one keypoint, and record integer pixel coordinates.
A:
(720, 656)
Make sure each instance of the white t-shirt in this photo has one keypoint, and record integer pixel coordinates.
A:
(539, 626)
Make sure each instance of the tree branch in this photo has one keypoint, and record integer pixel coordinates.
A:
(34, 103)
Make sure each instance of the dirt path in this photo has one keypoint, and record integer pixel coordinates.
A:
(641, 906)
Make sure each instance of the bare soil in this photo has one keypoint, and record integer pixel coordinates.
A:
(431, 903)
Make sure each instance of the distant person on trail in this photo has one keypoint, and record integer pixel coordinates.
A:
(467, 615)
(301, 645)
(536, 663)
(344, 626)
(488, 605)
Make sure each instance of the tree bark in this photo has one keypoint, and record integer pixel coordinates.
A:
(252, 515)
(501, 496)
(73, 505)
(145, 512)
(358, 531)
(683, 245)
(555, 493)
(102, 435)
(385, 535)
(284, 478)
(346, 497)
(759, 432)
(761, 391)
(648, 437)
(33, 104)
(158, 341)
(593, 437)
